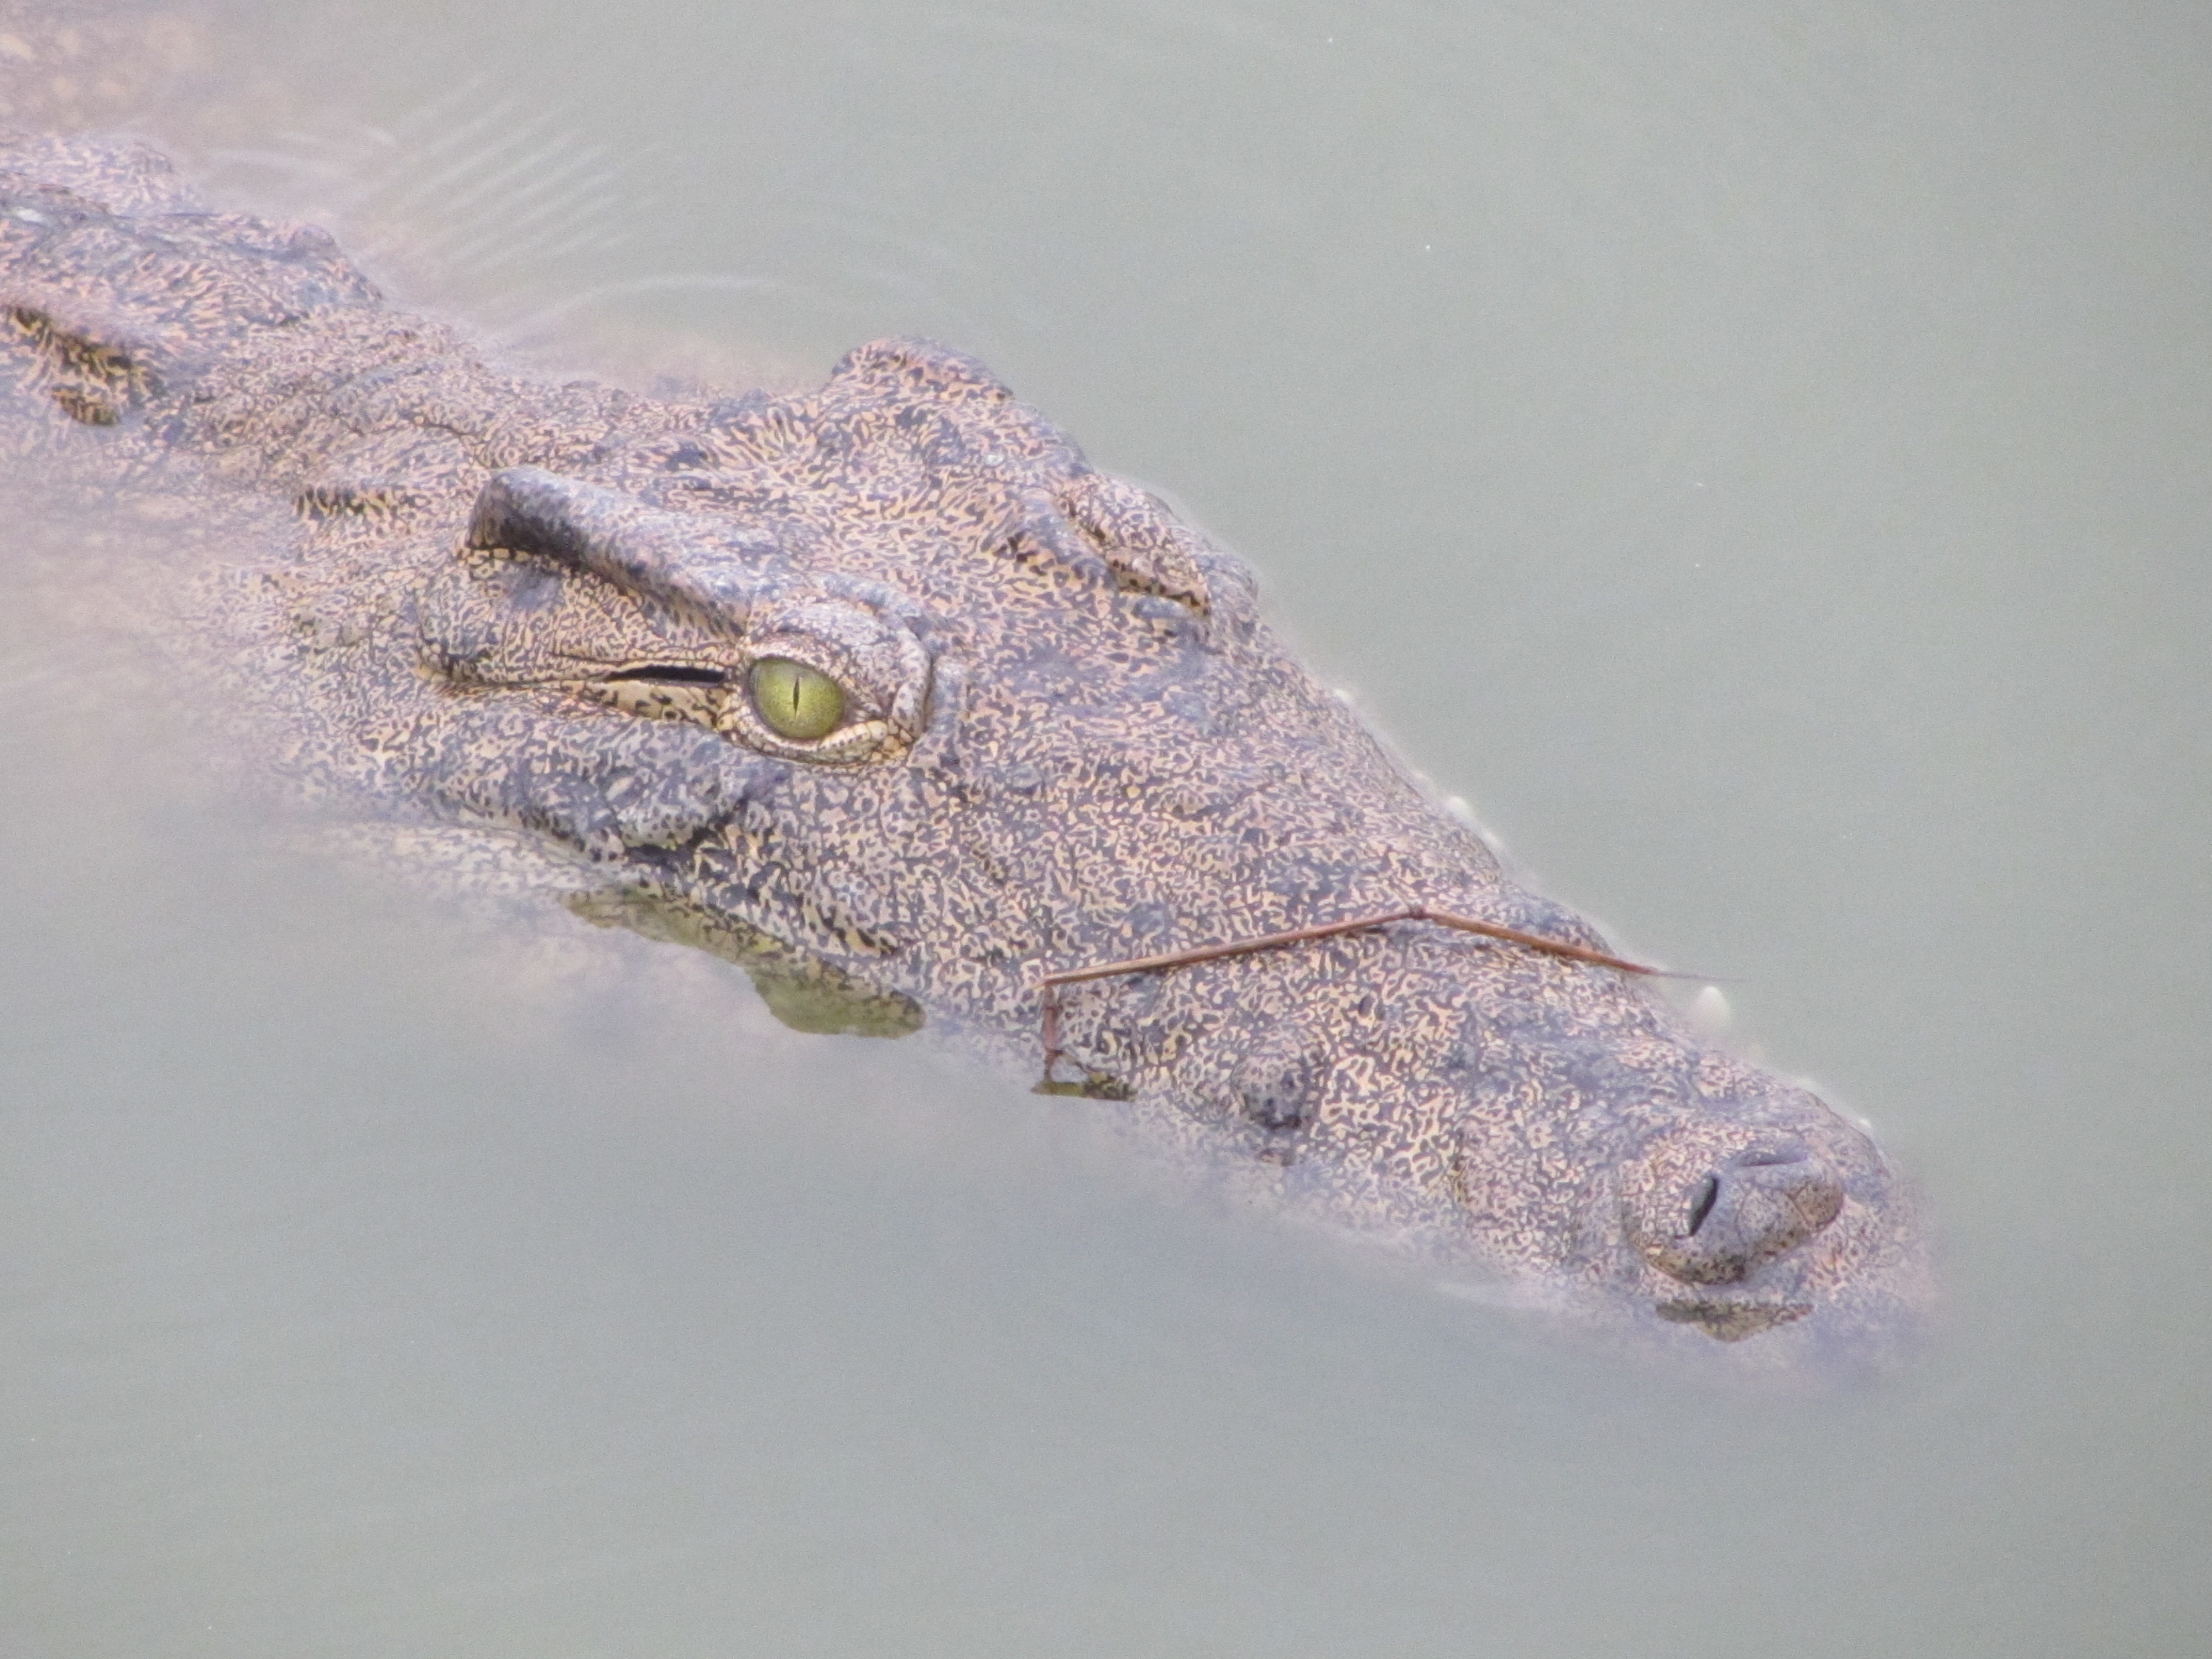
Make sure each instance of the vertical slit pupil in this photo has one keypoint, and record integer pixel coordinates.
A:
(799, 702)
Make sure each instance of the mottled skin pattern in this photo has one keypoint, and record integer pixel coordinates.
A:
(1069, 739)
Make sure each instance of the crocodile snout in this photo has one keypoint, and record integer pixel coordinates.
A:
(1705, 1211)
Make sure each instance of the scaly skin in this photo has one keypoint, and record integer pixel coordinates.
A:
(1068, 740)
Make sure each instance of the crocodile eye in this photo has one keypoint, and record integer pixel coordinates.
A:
(796, 701)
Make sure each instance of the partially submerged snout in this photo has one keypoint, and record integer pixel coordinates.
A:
(1712, 1207)
(1741, 1224)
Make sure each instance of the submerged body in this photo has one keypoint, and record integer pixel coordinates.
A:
(882, 690)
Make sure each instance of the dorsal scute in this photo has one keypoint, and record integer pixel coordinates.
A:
(908, 430)
(118, 176)
(907, 368)
(1149, 549)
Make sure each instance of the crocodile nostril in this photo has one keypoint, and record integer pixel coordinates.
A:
(1721, 1223)
(1709, 1192)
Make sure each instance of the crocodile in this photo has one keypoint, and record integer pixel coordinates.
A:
(881, 690)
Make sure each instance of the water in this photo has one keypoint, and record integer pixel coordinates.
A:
(1755, 453)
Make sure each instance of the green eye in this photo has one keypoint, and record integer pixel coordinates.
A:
(796, 702)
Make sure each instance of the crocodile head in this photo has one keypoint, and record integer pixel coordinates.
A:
(883, 692)
(884, 681)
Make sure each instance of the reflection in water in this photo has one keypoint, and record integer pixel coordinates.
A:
(1756, 454)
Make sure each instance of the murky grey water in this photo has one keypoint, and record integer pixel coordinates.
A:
(1756, 453)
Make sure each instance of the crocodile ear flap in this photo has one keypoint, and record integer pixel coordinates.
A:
(526, 510)
(1147, 547)
(698, 567)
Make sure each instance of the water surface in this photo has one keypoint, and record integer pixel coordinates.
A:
(1755, 453)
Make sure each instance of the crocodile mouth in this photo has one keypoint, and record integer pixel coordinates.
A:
(1730, 1319)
